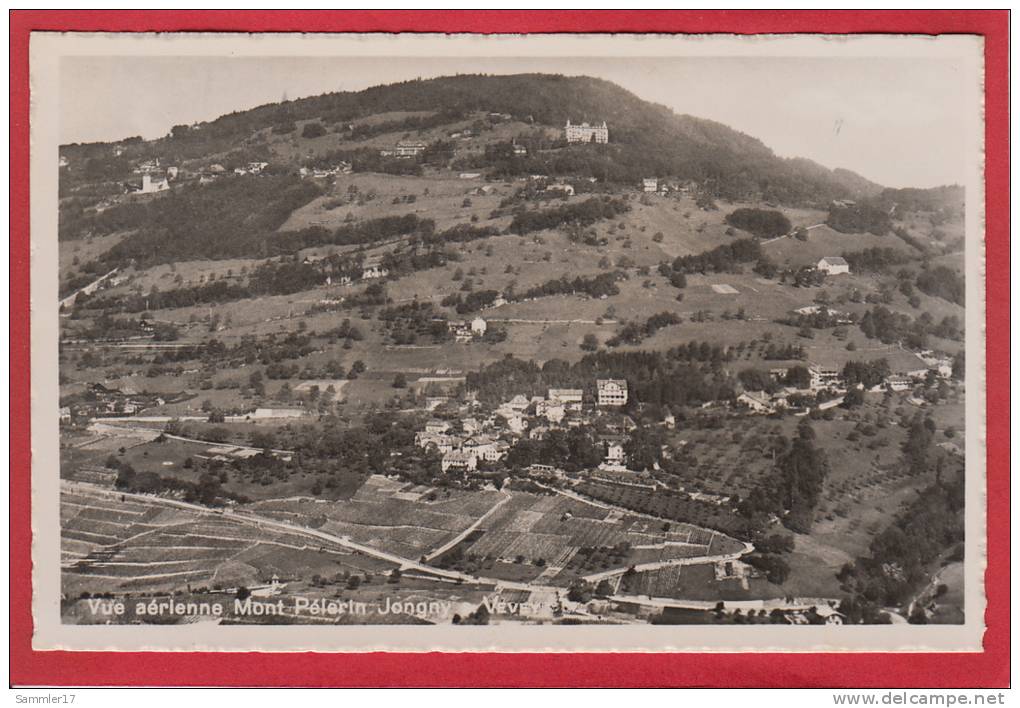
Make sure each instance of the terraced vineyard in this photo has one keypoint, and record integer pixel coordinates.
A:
(560, 538)
(391, 516)
(110, 543)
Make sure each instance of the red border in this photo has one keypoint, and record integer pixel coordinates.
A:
(987, 669)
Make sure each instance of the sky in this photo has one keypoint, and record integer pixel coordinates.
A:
(897, 121)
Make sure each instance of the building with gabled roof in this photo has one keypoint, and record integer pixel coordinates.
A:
(834, 265)
(611, 392)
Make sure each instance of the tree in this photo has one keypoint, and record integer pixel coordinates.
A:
(315, 129)
(590, 342)
(853, 398)
(400, 381)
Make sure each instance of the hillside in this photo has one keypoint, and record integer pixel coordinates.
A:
(346, 312)
(647, 139)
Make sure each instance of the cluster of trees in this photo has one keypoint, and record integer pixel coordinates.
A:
(900, 558)
(570, 450)
(941, 202)
(582, 213)
(700, 351)
(875, 260)
(764, 223)
(214, 292)
(208, 490)
(794, 489)
(775, 352)
(231, 218)
(870, 373)
(461, 233)
(472, 302)
(775, 568)
(595, 286)
(862, 217)
(367, 159)
(720, 259)
(823, 318)
(369, 231)
(635, 332)
(803, 277)
(363, 131)
(943, 282)
(654, 378)
(406, 323)
(333, 445)
(891, 327)
(668, 504)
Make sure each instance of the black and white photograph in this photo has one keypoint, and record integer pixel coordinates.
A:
(513, 342)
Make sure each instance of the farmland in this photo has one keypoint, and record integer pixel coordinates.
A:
(110, 543)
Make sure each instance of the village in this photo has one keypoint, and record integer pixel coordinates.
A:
(469, 347)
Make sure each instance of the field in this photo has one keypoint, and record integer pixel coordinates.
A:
(110, 543)
(556, 539)
(392, 516)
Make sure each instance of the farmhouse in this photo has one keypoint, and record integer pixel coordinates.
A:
(757, 401)
(823, 377)
(650, 184)
(520, 150)
(151, 184)
(478, 326)
(585, 133)
(614, 452)
(433, 402)
(518, 403)
(562, 188)
(516, 424)
(611, 392)
(551, 410)
(834, 265)
(899, 383)
(373, 270)
(459, 460)
(409, 148)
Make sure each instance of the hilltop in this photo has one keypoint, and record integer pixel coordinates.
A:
(647, 139)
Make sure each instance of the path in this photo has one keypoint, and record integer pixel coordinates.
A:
(87, 290)
(780, 238)
(409, 564)
(98, 425)
(464, 534)
(511, 320)
(656, 565)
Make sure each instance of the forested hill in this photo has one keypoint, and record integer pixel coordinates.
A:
(646, 139)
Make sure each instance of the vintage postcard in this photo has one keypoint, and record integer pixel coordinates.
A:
(518, 343)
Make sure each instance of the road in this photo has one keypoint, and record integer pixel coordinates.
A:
(409, 564)
(100, 426)
(464, 534)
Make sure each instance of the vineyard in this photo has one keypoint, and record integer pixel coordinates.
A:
(111, 544)
(560, 538)
(391, 516)
(667, 504)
